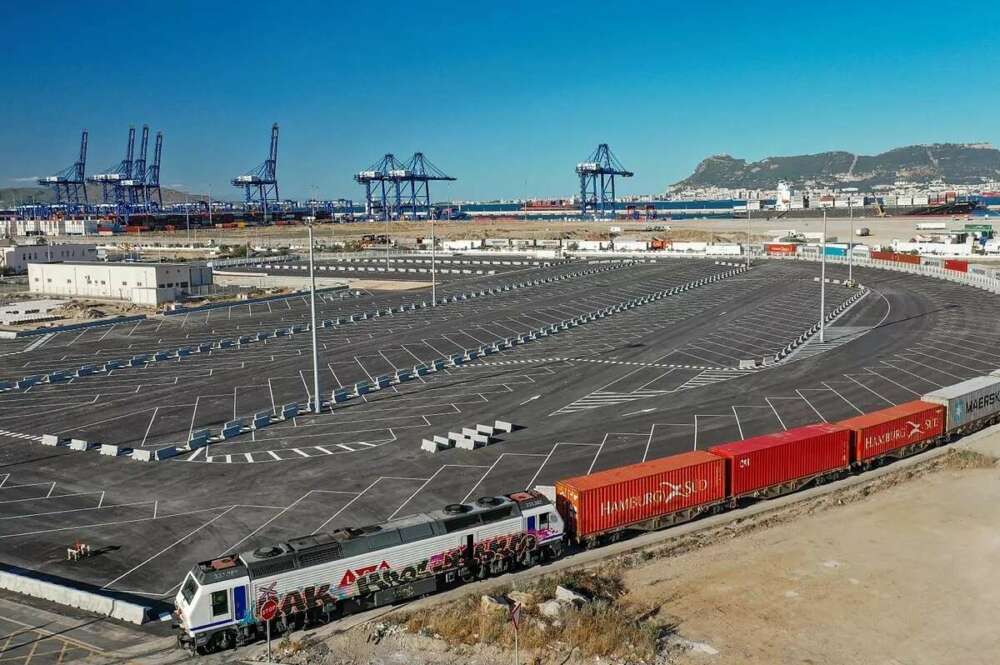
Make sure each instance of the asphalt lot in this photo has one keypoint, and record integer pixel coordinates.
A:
(650, 381)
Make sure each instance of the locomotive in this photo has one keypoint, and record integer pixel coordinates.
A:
(325, 575)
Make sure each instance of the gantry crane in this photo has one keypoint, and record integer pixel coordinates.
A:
(261, 183)
(597, 182)
(70, 185)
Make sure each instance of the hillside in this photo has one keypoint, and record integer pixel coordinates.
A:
(953, 163)
(8, 195)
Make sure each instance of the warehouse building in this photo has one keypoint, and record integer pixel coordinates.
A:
(14, 258)
(140, 283)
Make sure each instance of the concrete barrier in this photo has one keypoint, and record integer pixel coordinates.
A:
(360, 389)
(340, 395)
(137, 361)
(437, 364)
(113, 451)
(232, 428)
(78, 598)
(430, 446)
(489, 430)
(381, 382)
(198, 439)
(456, 361)
(154, 455)
(420, 370)
(86, 370)
(57, 376)
(50, 440)
(184, 351)
(80, 444)
(161, 355)
(403, 375)
(262, 419)
(503, 426)
(289, 411)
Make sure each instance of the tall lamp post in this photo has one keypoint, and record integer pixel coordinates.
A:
(850, 246)
(312, 307)
(434, 298)
(822, 284)
(748, 232)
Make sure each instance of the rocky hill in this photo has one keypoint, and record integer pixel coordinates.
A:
(9, 195)
(953, 163)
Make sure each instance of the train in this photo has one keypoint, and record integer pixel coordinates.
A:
(222, 603)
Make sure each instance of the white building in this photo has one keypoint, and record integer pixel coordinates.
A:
(141, 283)
(15, 258)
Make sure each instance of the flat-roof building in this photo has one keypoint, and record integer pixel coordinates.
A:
(140, 283)
(15, 258)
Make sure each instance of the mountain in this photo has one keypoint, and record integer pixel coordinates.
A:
(44, 195)
(952, 163)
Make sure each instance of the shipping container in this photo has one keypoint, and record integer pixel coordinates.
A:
(896, 257)
(956, 265)
(780, 248)
(894, 431)
(782, 462)
(970, 404)
(642, 496)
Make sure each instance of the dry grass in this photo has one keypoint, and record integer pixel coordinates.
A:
(605, 627)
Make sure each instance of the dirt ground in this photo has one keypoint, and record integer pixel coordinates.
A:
(899, 571)
(909, 576)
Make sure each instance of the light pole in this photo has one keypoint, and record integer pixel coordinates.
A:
(748, 232)
(312, 307)
(434, 298)
(822, 284)
(850, 246)
(187, 215)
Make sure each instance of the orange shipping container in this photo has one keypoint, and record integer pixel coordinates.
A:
(875, 434)
(611, 500)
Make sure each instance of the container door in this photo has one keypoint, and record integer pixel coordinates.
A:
(239, 602)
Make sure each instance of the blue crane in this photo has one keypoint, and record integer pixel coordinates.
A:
(382, 191)
(262, 182)
(112, 190)
(135, 186)
(597, 181)
(417, 174)
(70, 185)
(152, 182)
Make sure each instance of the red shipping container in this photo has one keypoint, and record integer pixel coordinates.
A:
(875, 434)
(761, 462)
(956, 265)
(616, 498)
(780, 248)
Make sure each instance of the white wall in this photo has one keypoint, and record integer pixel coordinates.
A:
(148, 284)
(16, 258)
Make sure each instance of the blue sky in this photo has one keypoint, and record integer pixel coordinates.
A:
(507, 97)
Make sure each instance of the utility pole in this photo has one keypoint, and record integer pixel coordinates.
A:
(434, 298)
(312, 307)
(822, 284)
(748, 233)
(850, 247)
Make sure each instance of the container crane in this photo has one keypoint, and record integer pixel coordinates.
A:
(382, 189)
(70, 185)
(417, 175)
(135, 186)
(262, 182)
(597, 181)
(111, 180)
(152, 183)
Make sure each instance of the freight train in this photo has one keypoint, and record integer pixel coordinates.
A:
(221, 603)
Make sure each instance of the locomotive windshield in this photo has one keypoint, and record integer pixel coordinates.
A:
(189, 588)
